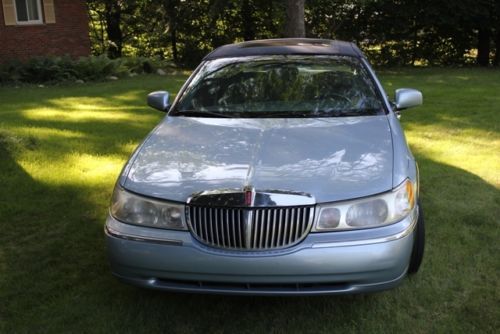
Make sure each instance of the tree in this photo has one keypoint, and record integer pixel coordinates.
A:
(247, 11)
(496, 60)
(483, 46)
(172, 10)
(482, 13)
(109, 15)
(402, 32)
(112, 15)
(496, 19)
(295, 26)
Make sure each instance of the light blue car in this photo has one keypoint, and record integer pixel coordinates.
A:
(280, 169)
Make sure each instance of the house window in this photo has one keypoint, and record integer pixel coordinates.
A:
(28, 11)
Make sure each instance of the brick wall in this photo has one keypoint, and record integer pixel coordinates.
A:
(69, 35)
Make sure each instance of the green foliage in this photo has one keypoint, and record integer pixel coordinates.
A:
(63, 69)
(185, 31)
(403, 32)
(95, 68)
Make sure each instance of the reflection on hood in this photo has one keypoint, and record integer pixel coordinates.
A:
(331, 159)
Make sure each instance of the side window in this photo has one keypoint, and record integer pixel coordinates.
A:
(28, 11)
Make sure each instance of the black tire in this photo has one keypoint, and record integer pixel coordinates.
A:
(419, 243)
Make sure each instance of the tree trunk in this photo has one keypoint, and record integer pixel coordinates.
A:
(173, 39)
(294, 26)
(171, 7)
(247, 18)
(113, 29)
(272, 30)
(496, 60)
(483, 47)
(414, 43)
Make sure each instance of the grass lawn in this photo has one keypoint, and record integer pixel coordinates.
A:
(61, 149)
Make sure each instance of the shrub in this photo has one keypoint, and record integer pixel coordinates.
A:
(63, 69)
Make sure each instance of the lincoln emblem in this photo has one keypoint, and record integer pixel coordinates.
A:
(248, 197)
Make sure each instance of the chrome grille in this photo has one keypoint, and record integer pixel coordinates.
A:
(250, 228)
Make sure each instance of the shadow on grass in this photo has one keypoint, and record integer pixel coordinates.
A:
(55, 274)
(47, 243)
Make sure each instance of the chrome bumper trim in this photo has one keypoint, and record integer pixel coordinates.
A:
(259, 289)
(114, 233)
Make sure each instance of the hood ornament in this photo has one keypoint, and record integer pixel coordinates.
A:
(249, 195)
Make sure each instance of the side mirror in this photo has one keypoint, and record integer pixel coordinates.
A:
(159, 100)
(407, 98)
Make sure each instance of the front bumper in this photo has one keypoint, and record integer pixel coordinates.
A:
(323, 263)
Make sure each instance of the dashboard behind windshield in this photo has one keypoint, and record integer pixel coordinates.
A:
(280, 86)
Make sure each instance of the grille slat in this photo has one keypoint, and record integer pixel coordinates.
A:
(233, 228)
(295, 228)
(302, 214)
(195, 227)
(238, 229)
(202, 226)
(214, 238)
(287, 231)
(220, 227)
(268, 232)
(272, 222)
(270, 228)
(256, 229)
(226, 225)
(281, 224)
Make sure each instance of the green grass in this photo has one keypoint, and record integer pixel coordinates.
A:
(61, 149)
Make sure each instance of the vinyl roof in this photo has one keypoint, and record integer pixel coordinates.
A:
(286, 46)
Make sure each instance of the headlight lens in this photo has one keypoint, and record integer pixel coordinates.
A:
(368, 213)
(329, 219)
(134, 209)
(375, 211)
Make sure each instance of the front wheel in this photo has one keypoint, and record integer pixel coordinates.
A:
(419, 244)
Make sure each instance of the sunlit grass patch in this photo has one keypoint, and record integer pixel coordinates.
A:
(79, 114)
(73, 169)
(44, 133)
(87, 108)
(472, 149)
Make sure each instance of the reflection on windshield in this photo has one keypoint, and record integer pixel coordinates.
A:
(280, 86)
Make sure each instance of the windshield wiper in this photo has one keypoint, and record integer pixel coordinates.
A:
(284, 114)
(346, 112)
(202, 113)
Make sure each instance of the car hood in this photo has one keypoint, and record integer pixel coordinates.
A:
(331, 159)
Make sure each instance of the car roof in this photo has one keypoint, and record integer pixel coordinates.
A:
(286, 46)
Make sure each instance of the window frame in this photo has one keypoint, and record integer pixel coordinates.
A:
(30, 22)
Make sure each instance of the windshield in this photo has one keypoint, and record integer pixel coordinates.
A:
(280, 86)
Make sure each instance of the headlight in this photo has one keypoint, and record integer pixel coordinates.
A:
(374, 211)
(134, 209)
